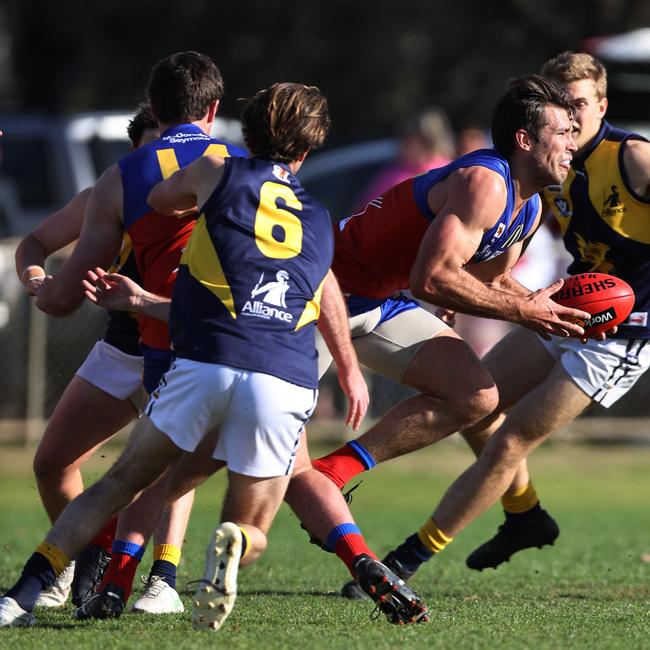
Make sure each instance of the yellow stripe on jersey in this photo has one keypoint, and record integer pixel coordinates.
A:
(122, 256)
(203, 262)
(617, 207)
(167, 161)
(312, 308)
(217, 150)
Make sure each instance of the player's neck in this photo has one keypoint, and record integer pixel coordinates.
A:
(203, 124)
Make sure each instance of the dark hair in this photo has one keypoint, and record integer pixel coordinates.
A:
(284, 121)
(139, 123)
(522, 107)
(182, 87)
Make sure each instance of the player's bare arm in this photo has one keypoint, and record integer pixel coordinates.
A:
(187, 188)
(119, 292)
(333, 326)
(52, 234)
(99, 242)
(636, 161)
(473, 201)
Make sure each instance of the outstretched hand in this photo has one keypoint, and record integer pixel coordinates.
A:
(547, 317)
(354, 386)
(112, 290)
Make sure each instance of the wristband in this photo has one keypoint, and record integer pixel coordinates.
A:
(33, 272)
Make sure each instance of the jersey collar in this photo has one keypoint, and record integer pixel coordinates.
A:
(579, 161)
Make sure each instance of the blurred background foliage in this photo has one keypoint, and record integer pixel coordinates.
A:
(376, 61)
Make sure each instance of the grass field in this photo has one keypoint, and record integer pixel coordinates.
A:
(591, 590)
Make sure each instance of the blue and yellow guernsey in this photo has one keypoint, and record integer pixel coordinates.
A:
(250, 281)
(605, 225)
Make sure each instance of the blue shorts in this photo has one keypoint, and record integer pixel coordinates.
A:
(156, 364)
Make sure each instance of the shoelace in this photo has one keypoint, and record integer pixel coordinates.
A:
(154, 586)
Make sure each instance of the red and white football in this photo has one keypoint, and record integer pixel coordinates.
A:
(607, 298)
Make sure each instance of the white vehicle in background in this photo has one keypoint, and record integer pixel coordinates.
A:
(45, 161)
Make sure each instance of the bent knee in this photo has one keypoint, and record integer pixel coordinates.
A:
(477, 406)
(47, 467)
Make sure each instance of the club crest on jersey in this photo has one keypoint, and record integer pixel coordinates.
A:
(562, 206)
(281, 173)
(501, 228)
(273, 298)
(612, 205)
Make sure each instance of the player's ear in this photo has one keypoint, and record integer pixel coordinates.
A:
(523, 139)
(212, 110)
(602, 107)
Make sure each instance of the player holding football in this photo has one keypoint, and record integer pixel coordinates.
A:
(255, 218)
(603, 208)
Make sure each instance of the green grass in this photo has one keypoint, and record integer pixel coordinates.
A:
(592, 590)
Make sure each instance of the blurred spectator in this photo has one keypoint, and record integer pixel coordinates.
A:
(426, 141)
(471, 137)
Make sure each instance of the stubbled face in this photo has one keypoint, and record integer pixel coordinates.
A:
(590, 110)
(554, 149)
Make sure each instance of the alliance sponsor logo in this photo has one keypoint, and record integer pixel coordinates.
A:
(268, 306)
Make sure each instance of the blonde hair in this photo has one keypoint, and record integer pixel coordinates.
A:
(575, 66)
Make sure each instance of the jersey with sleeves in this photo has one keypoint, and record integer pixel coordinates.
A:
(158, 240)
(605, 225)
(375, 249)
(249, 286)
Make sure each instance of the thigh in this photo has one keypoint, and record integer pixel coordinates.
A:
(391, 346)
(518, 363)
(253, 501)
(84, 418)
(260, 433)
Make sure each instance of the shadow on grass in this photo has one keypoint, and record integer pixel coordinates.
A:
(189, 591)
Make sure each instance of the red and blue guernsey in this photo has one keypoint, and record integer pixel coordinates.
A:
(375, 249)
(158, 241)
(251, 277)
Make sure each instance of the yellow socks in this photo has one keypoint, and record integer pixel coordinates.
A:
(432, 537)
(520, 500)
(54, 556)
(167, 553)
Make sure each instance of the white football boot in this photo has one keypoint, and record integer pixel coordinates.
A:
(57, 594)
(158, 598)
(13, 615)
(215, 597)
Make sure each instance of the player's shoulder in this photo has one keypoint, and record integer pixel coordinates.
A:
(478, 183)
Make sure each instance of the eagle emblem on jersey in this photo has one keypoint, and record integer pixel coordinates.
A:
(612, 205)
(562, 206)
(594, 253)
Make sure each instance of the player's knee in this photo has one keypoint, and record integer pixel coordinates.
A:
(505, 450)
(48, 469)
(477, 405)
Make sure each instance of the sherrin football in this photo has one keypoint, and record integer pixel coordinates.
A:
(608, 299)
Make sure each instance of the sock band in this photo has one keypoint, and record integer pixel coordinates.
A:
(520, 500)
(337, 533)
(246, 543)
(54, 556)
(168, 553)
(364, 455)
(128, 548)
(432, 537)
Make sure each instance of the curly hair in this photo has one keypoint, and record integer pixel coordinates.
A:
(140, 122)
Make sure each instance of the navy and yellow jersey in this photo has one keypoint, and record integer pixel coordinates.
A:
(605, 225)
(123, 331)
(158, 240)
(249, 285)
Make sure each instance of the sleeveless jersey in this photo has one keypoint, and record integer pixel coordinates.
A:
(158, 240)
(605, 225)
(123, 330)
(375, 249)
(249, 286)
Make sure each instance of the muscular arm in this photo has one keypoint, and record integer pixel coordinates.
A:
(474, 201)
(99, 242)
(56, 231)
(636, 161)
(333, 325)
(188, 187)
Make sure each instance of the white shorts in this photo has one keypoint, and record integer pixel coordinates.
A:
(259, 417)
(604, 370)
(113, 371)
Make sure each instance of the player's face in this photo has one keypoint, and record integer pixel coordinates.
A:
(554, 149)
(590, 110)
